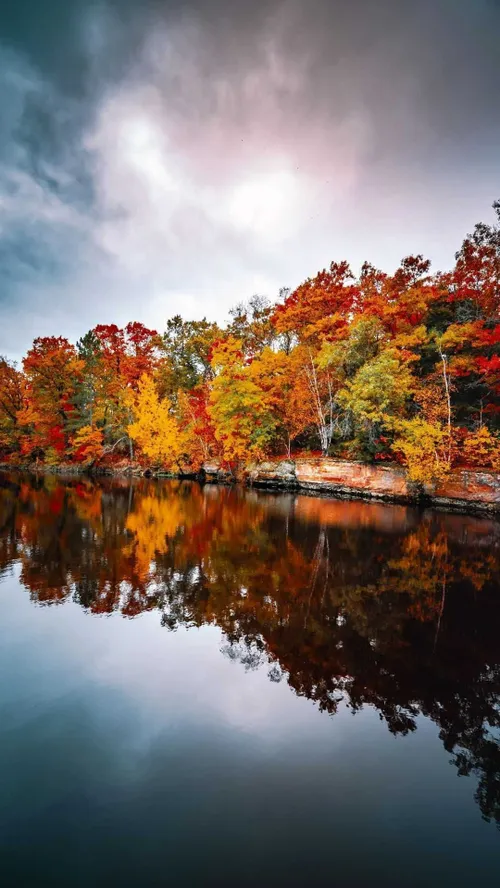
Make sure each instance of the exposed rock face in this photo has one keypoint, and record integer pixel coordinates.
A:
(468, 487)
(274, 474)
(341, 478)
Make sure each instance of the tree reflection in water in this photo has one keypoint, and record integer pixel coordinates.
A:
(346, 601)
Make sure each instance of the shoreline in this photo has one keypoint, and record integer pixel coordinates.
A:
(464, 490)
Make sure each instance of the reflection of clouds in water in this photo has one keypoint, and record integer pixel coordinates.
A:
(184, 673)
(171, 680)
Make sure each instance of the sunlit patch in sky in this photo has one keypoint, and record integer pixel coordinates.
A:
(268, 203)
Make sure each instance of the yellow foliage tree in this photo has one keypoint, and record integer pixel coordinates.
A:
(424, 447)
(379, 390)
(283, 384)
(239, 409)
(155, 429)
(482, 449)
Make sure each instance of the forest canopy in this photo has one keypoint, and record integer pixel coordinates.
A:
(402, 367)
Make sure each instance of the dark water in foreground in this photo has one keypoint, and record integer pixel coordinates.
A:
(205, 686)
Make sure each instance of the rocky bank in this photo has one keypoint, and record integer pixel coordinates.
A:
(463, 489)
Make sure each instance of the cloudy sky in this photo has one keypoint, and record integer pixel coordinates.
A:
(170, 157)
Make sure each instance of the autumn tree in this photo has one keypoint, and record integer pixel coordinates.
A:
(424, 448)
(474, 283)
(482, 449)
(320, 305)
(88, 445)
(125, 355)
(52, 371)
(317, 312)
(186, 349)
(90, 390)
(377, 394)
(11, 402)
(193, 410)
(284, 385)
(155, 429)
(240, 410)
(252, 324)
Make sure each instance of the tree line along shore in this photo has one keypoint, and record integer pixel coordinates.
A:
(399, 368)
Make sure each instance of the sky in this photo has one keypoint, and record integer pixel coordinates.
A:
(169, 157)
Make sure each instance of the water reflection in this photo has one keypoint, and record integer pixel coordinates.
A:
(371, 604)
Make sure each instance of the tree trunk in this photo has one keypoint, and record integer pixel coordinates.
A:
(448, 400)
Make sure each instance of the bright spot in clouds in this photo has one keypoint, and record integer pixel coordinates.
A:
(267, 203)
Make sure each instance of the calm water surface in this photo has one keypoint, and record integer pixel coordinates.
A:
(217, 687)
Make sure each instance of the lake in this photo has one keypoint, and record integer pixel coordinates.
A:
(209, 686)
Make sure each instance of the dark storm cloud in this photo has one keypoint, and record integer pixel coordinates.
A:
(157, 157)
